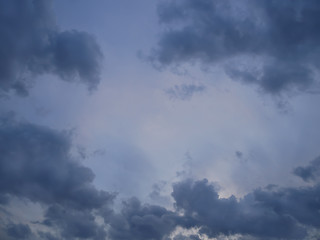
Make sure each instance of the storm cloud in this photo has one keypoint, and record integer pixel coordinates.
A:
(36, 164)
(265, 213)
(31, 45)
(282, 213)
(271, 44)
(138, 221)
(48, 188)
(74, 223)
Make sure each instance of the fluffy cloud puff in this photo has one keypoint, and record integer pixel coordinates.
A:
(141, 222)
(36, 164)
(31, 45)
(266, 213)
(272, 44)
(280, 213)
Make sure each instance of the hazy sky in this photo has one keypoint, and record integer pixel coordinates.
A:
(158, 120)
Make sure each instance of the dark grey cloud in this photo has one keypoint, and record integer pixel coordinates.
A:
(32, 45)
(73, 223)
(184, 91)
(268, 43)
(301, 204)
(19, 231)
(36, 164)
(264, 213)
(310, 172)
(268, 213)
(47, 236)
(141, 222)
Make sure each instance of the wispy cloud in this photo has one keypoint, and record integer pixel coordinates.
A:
(184, 91)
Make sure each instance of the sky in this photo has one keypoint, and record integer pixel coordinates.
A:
(159, 120)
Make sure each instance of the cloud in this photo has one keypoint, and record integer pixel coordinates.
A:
(265, 213)
(47, 236)
(141, 222)
(310, 172)
(19, 231)
(281, 213)
(184, 91)
(239, 154)
(271, 44)
(182, 237)
(36, 164)
(74, 223)
(32, 45)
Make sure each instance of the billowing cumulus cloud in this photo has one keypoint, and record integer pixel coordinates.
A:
(141, 222)
(74, 223)
(36, 164)
(271, 44)
(268, 213)
(46, 193)
(277, 213)
(32, 45)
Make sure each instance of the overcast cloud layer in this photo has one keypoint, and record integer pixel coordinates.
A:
(158, 155)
